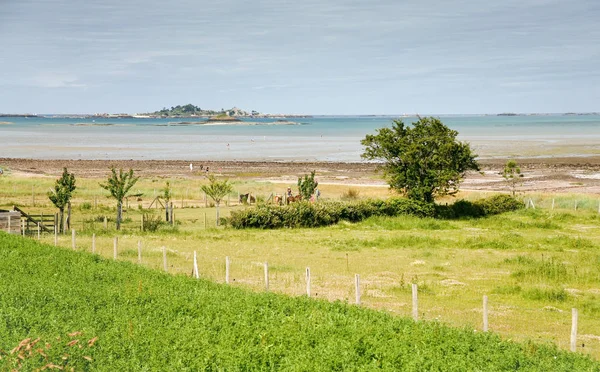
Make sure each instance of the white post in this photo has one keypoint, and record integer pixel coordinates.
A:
(93, 243)
(142, 223)
(485, 313)
(553, 205)
(415, 307)
(55, 236)
(23, 227)
(574, 330)
(357, 288)
(227, 269)
(308, 281)
(196, 273)
(267, 276)
(73, 238)
(105, 223)
(165, 258)
(115, 243)
(139, 251)
(38, 228)
(9, 223)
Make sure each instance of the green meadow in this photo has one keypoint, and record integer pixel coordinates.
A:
(534, 265)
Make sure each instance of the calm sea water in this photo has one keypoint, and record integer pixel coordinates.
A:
(315, 139)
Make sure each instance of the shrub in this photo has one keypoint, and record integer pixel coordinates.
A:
(305, 214)
(351, 194)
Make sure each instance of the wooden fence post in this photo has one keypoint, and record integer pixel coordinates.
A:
(576, 202)
(93, 243)
(485, 313)
(415, 305)
(105, 223)
(205, 201)
(308, 281)
(23, 227)
(142, 223)
(204, 220)
(38, 230)
(55, 236)
(267, 276)
(115, 243)
(73, 239)
(9, 223)
(139, 251)
(164, 249)
(574, 317)
(227, 269)
(553, 204)
(357, 288)
(196, 273)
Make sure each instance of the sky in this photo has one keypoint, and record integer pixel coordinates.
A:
(343, 57)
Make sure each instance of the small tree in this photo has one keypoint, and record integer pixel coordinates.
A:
(61, 195)
(512, 174)
(167, 197)
(422, 161)
(217, 190)
(119, 184)
(307, 185)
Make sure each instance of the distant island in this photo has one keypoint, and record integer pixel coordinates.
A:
(192, 111)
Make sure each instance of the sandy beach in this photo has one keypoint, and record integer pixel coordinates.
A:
(551, 175)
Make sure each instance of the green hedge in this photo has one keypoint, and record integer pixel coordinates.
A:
(305, 214)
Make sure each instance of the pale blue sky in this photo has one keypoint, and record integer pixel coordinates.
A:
(315, 56)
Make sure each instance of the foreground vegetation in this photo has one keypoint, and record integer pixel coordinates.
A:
(92, 313)
(535, 265)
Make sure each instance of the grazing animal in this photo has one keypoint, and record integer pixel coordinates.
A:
(278, 200)
(293, 199)
(247, 198)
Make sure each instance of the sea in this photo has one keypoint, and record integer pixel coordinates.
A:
(319, 138)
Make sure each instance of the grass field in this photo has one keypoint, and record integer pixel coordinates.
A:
(77, 311)
(535, 265)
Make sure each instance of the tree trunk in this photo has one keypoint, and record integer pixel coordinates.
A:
(69, 216)
(119, 213)
(61, 226)
(217, 205)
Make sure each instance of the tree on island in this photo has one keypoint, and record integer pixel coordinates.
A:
(421, 161)
(217, 190)
(119, 184)
(61, 195)
(512, 175)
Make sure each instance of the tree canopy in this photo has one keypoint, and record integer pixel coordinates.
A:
(422, 161)
(217, 190)
(119, 184)
(61, 195)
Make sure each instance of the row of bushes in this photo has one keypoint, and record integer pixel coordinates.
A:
(305, 214)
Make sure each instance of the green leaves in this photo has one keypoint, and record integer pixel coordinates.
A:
(119, 184)
(307, 185)
(63, 190)
(217, 190)
(422, 161)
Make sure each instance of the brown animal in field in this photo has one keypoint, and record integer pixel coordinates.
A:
(247, 198)
(278, 199)
(293, 199)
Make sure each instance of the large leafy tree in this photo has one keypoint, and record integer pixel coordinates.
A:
(119, 184)
(61, 195)
(422, 161)
(217, 190)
